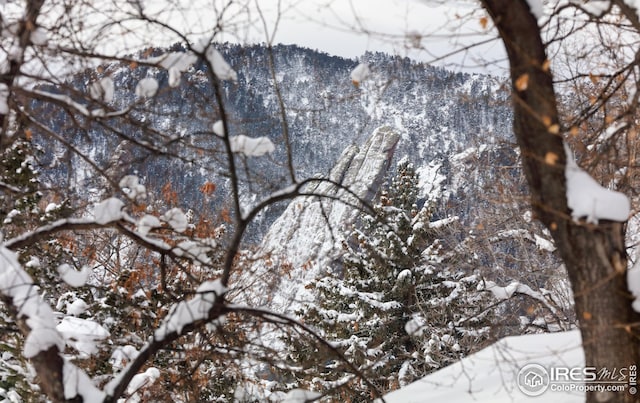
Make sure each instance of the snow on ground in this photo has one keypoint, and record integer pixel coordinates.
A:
(490, 374)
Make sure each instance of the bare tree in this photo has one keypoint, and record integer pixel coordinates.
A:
(594, 252)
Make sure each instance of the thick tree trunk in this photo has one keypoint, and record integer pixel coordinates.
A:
(594, 255)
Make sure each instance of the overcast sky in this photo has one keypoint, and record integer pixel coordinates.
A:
(421, 29)
(426, 30)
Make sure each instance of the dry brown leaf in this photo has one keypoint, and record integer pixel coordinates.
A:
(551, 158)
(546, 65)
(522, 82)
(574, 131)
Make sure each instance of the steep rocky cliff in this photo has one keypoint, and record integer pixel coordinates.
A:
(304, 241)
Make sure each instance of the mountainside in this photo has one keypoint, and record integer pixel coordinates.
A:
(437, 114)
(410, 214)
(307, 236)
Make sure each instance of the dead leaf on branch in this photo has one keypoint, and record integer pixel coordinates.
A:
(522, 82)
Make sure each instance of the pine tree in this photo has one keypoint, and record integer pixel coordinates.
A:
(19, 199)
(397, 309)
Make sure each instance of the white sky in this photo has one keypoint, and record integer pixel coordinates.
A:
(350, 27)
(425, 30)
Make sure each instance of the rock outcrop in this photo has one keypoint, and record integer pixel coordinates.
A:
(304, 241)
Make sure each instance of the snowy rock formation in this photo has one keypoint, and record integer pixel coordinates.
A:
(307, 237)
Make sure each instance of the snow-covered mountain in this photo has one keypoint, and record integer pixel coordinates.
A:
(437, 114)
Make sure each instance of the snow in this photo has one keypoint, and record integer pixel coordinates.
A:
(516, 287)
(249, 392)
(544, 244)
(39, 36)
(193, 249)
(176, 219)
(34, 263)
(16, 285)
(536, 8)
(443, 222)
(405, 274)
(73, 277)
(251, 147)
(4, 95)
(186, 312)
(143, 380)
(221, 68)
(122, 355)
(131, 186)
(77, 383)
(77, 307)
(633, 282)
(501, 293)
(431, 181)
(359, 73)
(147, 223)
(147, 88)
(102, 89)
(82, 334)
(587, 198)
(108, 210)
(635, 4)
(301, 396)
(175, 63)
(51, 207)
(490, 374)
(218, 128)
(67, 100)
(415, 326)
(595, 7)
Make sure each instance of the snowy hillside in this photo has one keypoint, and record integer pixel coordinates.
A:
(386, 188)
(490, 375)
(437, 114)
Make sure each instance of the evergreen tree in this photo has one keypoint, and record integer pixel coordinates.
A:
(398, 309)
(19, 199)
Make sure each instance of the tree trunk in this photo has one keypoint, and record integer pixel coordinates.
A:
(594, 255)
